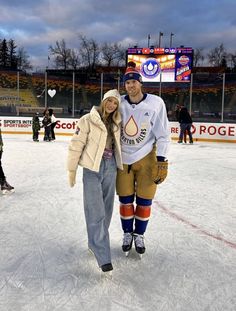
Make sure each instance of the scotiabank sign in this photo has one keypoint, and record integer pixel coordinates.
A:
(66, 125)
(201, 131)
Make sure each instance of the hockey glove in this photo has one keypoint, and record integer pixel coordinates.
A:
(162, 170)
(72, 175)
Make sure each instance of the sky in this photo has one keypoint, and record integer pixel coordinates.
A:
(35, 25)
(189, 263)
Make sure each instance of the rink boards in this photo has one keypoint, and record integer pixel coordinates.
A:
(215, 132)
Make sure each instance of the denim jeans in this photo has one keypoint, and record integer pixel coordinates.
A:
(185, 127)
(99, 193)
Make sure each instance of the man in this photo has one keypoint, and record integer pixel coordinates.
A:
(177, 113)
(185, 122)
(144, 146)
(5, 187)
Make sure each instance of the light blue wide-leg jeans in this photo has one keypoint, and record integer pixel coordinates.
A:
(99, 193)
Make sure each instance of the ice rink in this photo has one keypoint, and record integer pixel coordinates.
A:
(190, 259)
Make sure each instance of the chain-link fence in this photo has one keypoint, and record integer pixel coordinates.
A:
(210, 97)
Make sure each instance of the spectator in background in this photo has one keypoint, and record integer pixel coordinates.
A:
(185, 121)
(177, 111)
(47, 125)
(5, 186)
(53, 123)
(36, 127)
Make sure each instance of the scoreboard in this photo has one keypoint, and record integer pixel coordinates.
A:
(162, 64)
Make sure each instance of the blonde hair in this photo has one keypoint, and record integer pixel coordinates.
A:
(109, 119)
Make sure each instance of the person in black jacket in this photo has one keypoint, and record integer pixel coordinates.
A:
(177, 111)
(47, 125)
(36, 127)
(185, 121)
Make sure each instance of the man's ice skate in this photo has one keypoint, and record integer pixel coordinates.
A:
(139, 244)
(127, 243)
(107, 270)
(6, 188)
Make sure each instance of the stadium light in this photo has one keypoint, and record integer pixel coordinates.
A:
(160, 35)
(171, 35)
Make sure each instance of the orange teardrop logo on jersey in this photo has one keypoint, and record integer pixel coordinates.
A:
(131, 128)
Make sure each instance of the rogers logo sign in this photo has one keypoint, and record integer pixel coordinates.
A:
(66, 125)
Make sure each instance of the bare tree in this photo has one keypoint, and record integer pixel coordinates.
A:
(217, 55)
(62, 54)
(75, 60)
(122, 56)
(89, 51)
(198, 56)
(232, 60)
(23, 62)
(111, 54)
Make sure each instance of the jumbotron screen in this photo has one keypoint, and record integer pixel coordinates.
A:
(162, 64)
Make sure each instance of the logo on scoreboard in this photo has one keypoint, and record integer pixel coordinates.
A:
(150, 68)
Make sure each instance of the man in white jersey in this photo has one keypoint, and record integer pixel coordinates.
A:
(144, 146)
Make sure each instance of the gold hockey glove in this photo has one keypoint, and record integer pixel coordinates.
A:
(162, 170)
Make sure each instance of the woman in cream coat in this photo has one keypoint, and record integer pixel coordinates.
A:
(96, 147)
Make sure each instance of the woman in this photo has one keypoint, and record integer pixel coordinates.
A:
(53, 123)
(96, 147)
(47, 125)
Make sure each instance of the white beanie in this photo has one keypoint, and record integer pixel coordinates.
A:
(112, 93)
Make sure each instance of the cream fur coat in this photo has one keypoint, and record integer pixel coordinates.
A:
(88, 143)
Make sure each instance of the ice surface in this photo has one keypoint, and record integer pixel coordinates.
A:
(190, 262)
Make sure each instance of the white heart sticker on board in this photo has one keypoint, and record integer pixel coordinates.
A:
(51, 93)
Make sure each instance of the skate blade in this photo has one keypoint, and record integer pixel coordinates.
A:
(127, 254)
(8, 191)
(106, 275)
(90, 251)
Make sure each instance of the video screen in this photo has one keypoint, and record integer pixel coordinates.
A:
(162, 64)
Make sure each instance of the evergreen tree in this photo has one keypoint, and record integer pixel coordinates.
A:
(4, 54)
(12, 54)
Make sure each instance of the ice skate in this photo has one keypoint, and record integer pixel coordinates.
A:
(6, 188)
(139, 244)
(127, 243)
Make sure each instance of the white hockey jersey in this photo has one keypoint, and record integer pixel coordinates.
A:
(143, 125)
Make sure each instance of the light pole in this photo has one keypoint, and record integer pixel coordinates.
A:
(160, 35)
(171, 35)
(46, 89)
(149, 37)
